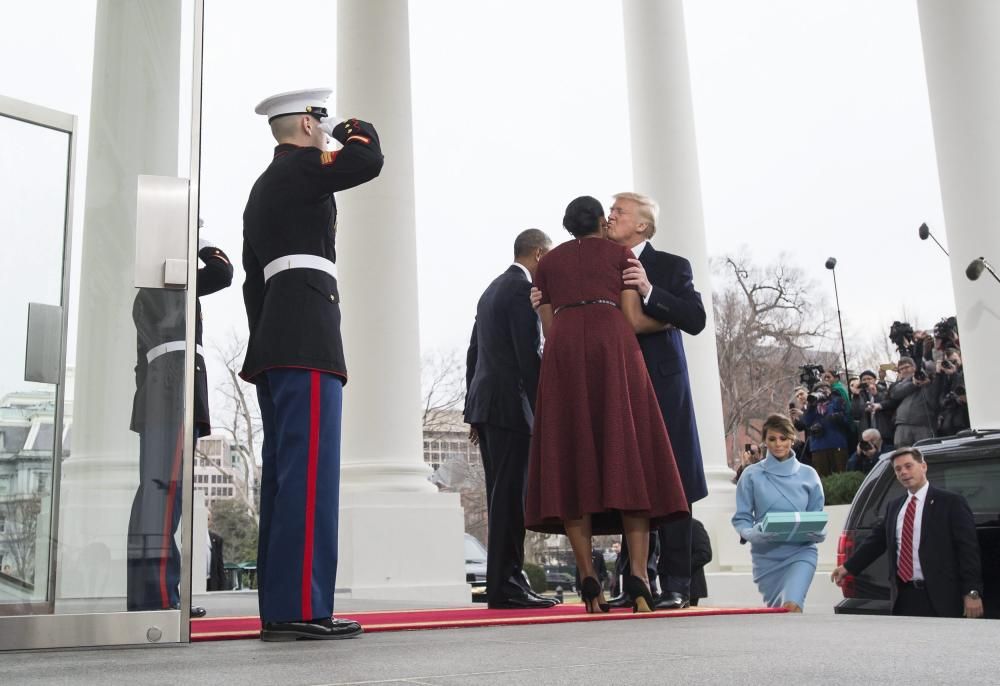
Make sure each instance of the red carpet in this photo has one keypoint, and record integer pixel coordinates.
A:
(223, 628)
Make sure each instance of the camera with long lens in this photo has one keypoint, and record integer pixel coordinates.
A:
(946, 330)
(810, 375)
(815, 397)
(901, 335)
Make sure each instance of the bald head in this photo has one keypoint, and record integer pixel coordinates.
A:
(872, 436)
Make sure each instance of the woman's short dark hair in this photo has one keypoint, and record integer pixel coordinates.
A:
(583, 216)
(779, 424)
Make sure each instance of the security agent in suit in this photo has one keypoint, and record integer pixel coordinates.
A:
(502, 367)
(666, 285)
(940, 575)
(153, 560)
(295, 356)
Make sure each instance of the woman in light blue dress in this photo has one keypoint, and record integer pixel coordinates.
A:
(779, 483)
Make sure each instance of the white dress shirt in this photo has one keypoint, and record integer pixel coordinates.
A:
(921, 496)
(637, 250)
(527, 274)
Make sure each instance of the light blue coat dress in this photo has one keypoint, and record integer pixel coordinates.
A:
(782, 571)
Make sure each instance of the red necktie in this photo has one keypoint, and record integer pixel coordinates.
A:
(904, 570)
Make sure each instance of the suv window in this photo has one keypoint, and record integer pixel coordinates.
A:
(974, 479)
(883, 491)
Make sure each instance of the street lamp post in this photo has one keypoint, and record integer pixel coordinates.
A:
(831, 264)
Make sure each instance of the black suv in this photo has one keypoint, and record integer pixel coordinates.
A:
(968, 464)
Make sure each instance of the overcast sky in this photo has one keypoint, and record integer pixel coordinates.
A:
(812, 119)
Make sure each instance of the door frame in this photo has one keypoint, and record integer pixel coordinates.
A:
(161, 627)
(38, 115)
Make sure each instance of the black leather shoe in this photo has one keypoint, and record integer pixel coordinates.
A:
(673, 601)
(196, 610)
(524, 601)
(317, 629)
(620, 601)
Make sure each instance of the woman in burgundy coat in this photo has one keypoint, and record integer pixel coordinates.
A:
(601, 461)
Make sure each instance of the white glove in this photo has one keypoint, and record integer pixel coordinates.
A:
(756, 534)
(328, 124)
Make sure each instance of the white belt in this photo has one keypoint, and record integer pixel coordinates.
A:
(299, 262)
(172, 346)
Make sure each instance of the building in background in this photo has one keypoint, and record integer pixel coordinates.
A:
(220, 472)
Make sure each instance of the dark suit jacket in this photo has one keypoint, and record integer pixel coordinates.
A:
(217, 566)
(674, 301)
(701, 555)
(948, 551)
(501, 366)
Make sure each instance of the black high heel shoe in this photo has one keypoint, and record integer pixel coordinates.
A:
(642, 599)
(590, 590)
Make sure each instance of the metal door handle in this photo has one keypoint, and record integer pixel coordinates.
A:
(44, 340)
(161, 232)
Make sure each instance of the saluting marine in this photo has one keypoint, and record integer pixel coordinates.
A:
(295, 356)
(154, 562)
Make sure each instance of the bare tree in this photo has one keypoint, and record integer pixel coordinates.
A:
(239, 419)
(768, 321)
(443, 380)
(19, 514)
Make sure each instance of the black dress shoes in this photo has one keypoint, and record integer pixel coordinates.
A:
(196, 610)
(673, 601)
(621, 600)
(523, 602)
(314, 629)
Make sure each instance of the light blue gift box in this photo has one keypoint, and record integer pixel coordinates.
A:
(794, 525)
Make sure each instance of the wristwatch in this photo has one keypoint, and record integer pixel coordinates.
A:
(974, 594)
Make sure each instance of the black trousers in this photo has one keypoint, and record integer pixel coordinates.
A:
(674, 565)
(505, 461)
(913, 602)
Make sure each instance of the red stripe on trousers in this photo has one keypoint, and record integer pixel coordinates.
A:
(307, 555)
(168, 529)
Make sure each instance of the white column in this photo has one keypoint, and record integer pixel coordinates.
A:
(133, 130)
(665, 167)
(962, 59)
(399, 538)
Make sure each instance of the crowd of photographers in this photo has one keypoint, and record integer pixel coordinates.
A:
(846, 428)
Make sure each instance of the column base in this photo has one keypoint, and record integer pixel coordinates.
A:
(402, 546)
(95, 504)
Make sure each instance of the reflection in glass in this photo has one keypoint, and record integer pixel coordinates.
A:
(32, 203)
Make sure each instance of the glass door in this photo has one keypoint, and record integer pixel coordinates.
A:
(97, 364)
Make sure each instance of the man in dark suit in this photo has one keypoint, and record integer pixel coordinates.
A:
(501, 379)
(666, 285)
(933, 552)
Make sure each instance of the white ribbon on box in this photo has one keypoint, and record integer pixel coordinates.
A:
(795, 529)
